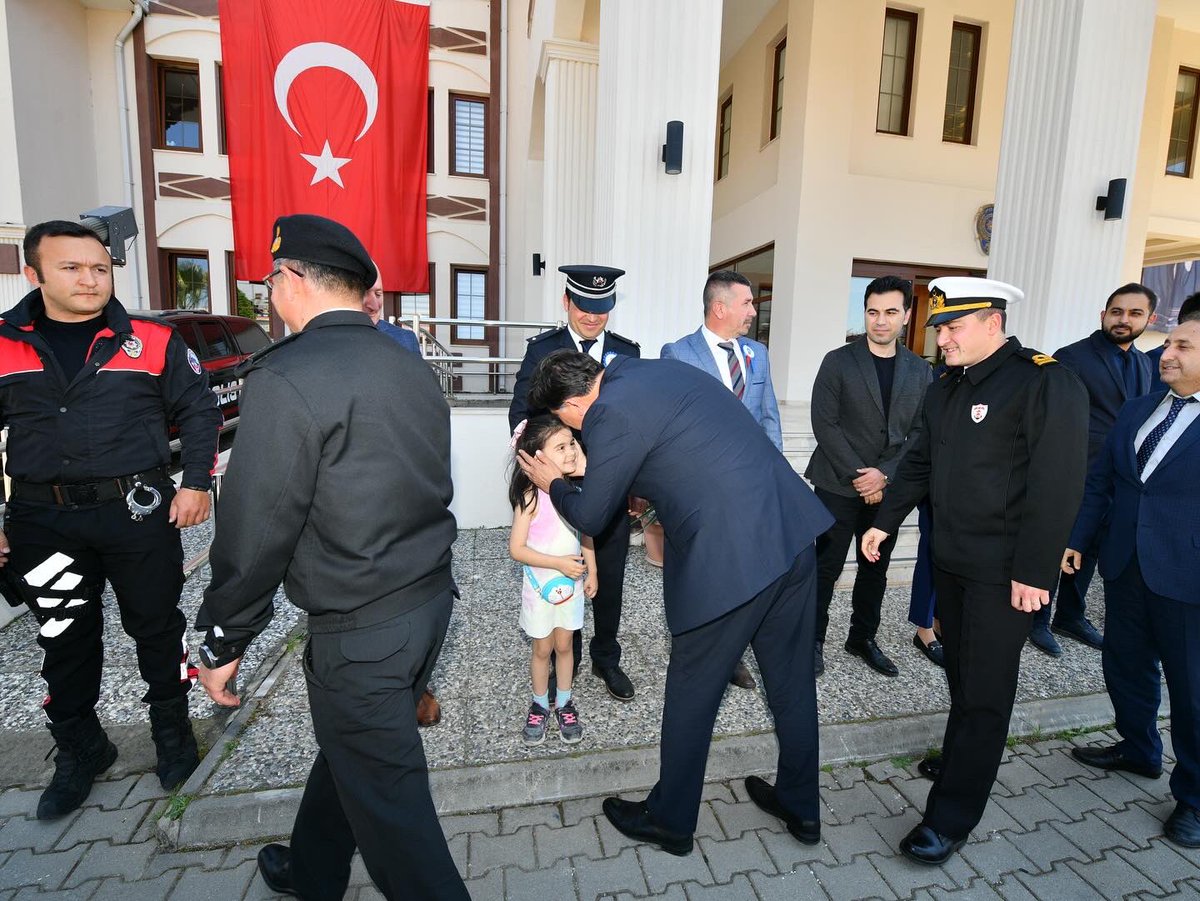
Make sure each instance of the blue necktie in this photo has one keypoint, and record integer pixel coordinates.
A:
(587, 344)
(1146, 451)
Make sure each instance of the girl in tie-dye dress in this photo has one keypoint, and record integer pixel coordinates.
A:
(559, 571)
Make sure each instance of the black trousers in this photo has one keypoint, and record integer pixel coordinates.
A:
(778, 623)
(612, 547)
(1143, 628)
(852, 518)
(982, 634)
(66, 555)
(369, 786)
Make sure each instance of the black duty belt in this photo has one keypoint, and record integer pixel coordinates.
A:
(78, 494)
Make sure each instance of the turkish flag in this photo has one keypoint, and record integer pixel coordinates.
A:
(325, 112)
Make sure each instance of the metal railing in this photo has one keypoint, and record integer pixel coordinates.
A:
(452, 368)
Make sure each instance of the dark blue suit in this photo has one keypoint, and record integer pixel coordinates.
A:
(1154, 356)
(738, 567)
(1150, 561)
(612, 539)
(1097, 362)
(406, 338)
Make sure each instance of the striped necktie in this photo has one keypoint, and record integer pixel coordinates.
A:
(1146, 451)
(736, 381)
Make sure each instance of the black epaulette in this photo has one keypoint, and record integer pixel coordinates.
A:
(626, 340)
(1035, 357)
(257, 357)
(547, 334)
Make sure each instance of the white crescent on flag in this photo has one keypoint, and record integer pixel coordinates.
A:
(322, 54)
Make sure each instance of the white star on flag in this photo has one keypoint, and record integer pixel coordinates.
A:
(326, 166)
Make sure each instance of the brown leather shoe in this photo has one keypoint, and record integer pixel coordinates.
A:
(429, 711)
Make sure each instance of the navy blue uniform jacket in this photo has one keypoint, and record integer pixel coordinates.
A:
(735, 513)
(1158, 520)
(540, 347)
(1094, 360)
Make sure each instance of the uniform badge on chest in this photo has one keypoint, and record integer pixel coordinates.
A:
(132, 347)
(978, 412)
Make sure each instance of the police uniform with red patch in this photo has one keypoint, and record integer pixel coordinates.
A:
(87, 407)
(1002, 457)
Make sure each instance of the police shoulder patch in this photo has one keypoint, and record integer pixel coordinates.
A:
(193, 361)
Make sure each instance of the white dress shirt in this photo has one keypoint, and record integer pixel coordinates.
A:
(1185, 418)
(722, 357)
(596, 351)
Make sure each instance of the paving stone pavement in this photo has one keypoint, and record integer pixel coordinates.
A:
(1054, 830)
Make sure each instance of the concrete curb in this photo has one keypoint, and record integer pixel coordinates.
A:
(262, 815)
(253, 694)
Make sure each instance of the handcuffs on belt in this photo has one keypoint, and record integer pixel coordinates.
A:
(136, 510)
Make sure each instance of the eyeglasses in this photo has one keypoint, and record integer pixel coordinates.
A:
(267, 279)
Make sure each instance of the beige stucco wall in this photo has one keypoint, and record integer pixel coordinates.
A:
(830, 189)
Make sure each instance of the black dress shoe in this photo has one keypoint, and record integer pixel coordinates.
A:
(931, 767)
(1082, 631)
(615, 681)
(819, 658)
(1183, 826)
(631, 818)
(762, 793)
(1110, 757)
(925, 846)
(275, 865)
(869, 651)
(741, 677)
(932, 651)
(1041, 639)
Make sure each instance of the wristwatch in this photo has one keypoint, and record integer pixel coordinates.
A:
(217, 654)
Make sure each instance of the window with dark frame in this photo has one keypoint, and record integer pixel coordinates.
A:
(724, 136)
(177, 86)
(1181, 147)
(221, 110)
(403, 304)
(468, 135)
(961, 81)
(429, 144)
(896, 72)
(188, 286)
(777, 89)
(468, 296)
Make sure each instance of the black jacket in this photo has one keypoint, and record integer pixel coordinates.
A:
(112, 418)
(1002, 455)
(338, 485)
(540, 347)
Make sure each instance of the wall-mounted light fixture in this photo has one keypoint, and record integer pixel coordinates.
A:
(539, 265)
(113, 225)
(672, 152)
(1113, 203)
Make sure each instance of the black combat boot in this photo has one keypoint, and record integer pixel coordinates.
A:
(174, 741)
(84, 752)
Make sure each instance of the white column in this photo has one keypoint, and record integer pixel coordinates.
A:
(1072, 121)
(658, 61)
(569, 71)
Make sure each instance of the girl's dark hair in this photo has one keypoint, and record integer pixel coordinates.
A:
(521, 492)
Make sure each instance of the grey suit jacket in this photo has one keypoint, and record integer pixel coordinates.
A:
(759, 397)
(848, 420)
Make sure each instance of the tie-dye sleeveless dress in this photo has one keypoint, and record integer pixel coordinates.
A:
(550, 600)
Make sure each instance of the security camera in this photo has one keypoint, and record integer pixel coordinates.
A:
(114, 226)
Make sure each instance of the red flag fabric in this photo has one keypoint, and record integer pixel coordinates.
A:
(325, 113)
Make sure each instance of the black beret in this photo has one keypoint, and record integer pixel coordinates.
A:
(315, 239)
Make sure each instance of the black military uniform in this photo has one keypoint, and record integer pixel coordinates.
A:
(1002, 457)
(335, 418)
(81, 437)
(592, 289)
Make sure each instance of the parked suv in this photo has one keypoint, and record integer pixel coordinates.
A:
(221, 343)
